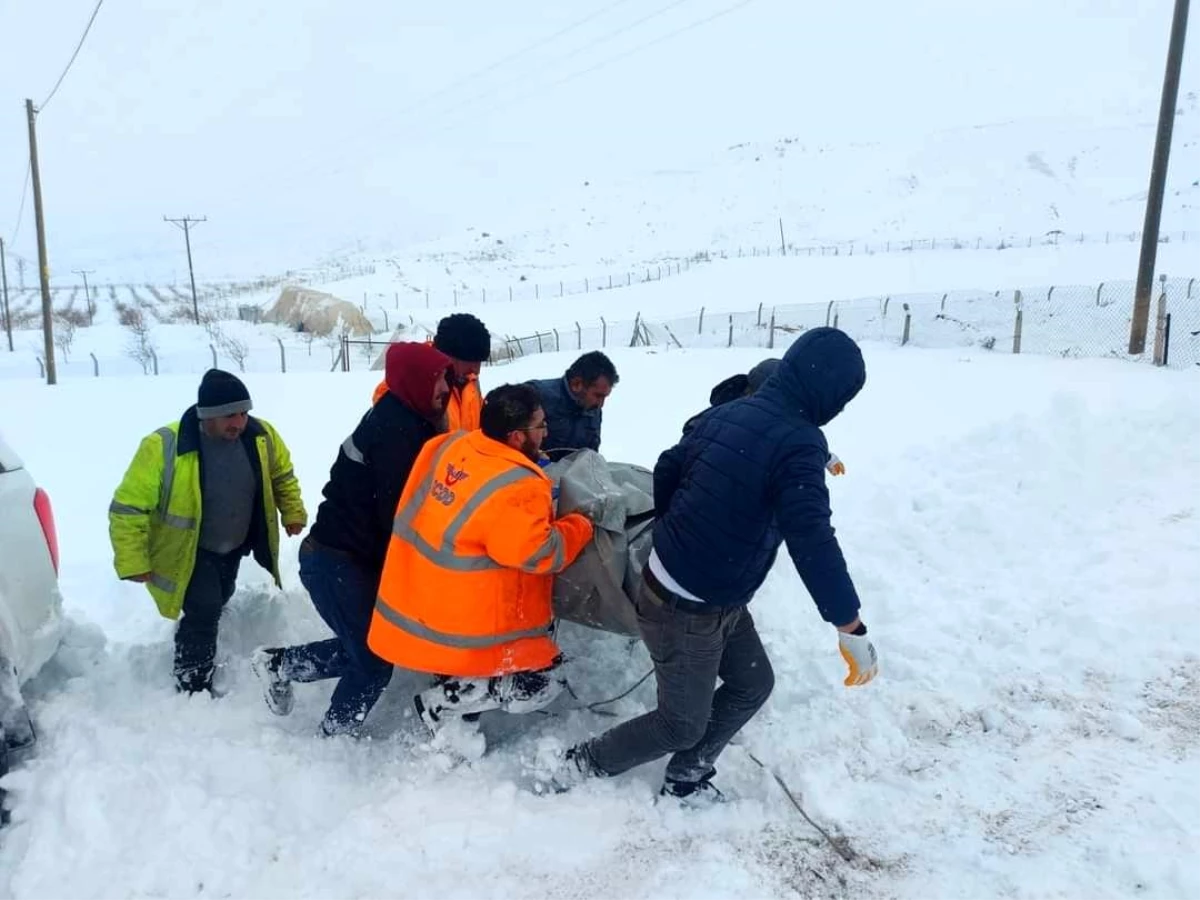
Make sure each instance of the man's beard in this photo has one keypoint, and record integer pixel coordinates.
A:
(529, 448)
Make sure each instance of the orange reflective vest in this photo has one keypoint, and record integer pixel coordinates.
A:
(466, 584)
(463, 407)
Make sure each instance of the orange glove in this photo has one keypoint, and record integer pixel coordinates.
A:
(835, 466)
(859, 654)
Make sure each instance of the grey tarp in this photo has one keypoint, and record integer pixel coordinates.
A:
(595, 590)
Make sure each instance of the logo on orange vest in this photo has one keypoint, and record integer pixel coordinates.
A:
(442, 494)
(453, 475)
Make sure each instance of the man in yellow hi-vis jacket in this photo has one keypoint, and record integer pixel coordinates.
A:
(200, 494)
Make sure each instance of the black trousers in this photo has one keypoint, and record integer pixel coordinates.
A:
(212, 584)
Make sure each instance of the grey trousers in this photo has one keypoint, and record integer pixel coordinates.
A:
(695, 719)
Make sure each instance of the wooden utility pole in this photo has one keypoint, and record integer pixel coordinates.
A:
(4, 295)
(185, 223)
(1158, 181)
(87, 295)
(43, 261)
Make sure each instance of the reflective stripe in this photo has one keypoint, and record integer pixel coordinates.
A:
(485, 493)
(124, 509)
(181, 522)
(162, 582)
(168, 475)
(553, 546)
(444, 556)
(458, 641)
(352, 452)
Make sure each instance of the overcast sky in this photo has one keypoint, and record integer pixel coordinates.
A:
(300, 127)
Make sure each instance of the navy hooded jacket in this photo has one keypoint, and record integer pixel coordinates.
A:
(571, 426)
(751, 475)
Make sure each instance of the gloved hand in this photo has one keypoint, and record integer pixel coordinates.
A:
(859, 654)
(835, 466)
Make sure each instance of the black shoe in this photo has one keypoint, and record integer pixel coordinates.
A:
(693, 793)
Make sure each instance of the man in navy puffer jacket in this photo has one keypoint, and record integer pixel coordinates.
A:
(749, 476)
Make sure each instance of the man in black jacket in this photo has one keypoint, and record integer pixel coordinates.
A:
(342, 557)
(749, 477)
(574, 404)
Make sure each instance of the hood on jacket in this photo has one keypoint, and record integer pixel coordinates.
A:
(411, 370)
(820, 373)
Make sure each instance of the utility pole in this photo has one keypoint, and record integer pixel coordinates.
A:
(4, 295)
(43, 262)
(87, 295)
(185, 223)
(1158, 181)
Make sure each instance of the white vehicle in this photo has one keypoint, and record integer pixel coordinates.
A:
(30, 602)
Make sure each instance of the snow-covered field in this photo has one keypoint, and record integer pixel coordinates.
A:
(800, 288)
(1024, 531)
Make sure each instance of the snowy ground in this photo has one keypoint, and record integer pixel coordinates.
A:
(1025, 533)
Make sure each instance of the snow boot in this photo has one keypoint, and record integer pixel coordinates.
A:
(276, 687)
(693, 794)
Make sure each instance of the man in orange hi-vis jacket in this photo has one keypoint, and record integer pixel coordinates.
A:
(468, 343)
(466, 585)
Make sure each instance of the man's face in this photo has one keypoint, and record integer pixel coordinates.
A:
(590, 396)
(227, 428)
(441, 392)
(529, 439)
(463, 369)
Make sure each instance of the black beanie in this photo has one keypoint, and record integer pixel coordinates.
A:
(221, 394)
(462, 336)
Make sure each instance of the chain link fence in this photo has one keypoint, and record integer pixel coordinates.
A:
(1057, 320)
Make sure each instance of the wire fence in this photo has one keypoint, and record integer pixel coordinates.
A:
(1059, 320)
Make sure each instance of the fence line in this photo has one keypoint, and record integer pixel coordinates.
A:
(431, 298)
(1063, 320)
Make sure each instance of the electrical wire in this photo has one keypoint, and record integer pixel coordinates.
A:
(21, 208)
(71, 61)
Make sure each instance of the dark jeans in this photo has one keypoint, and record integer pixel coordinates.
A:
(694, 719)
(210, 588)
(343, 592)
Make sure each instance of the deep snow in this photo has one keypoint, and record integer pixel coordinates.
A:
(1026, 538)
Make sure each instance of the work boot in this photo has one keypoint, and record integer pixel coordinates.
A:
(572, 768)
(276, 687)
(460, 697)
(694, 794)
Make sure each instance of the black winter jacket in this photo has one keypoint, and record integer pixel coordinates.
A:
(366, 480)
(751, 475)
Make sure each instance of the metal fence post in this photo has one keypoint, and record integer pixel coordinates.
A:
(637, 321)
(154, 358)
(1166, 340)
(700, 327)
(730, 344)
(771, 333)
(282, 356)
(578, 336)
(95, 365)
(907, 324)
(1099, 290)
(556, 347)
(828, 313)
(1160, 330)
(1018, 324)
(214, 355)
(759, 323)
(944, 296)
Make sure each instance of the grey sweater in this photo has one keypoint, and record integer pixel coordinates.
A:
(228, 500)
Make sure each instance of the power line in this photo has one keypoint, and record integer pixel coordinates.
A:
(21, 208)
(71, 61)
(451, 123)
(311, 166)
(467, 79)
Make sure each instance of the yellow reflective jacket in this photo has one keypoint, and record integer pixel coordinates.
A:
(154, 517)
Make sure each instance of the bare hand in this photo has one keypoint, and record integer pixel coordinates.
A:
(293, 529)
